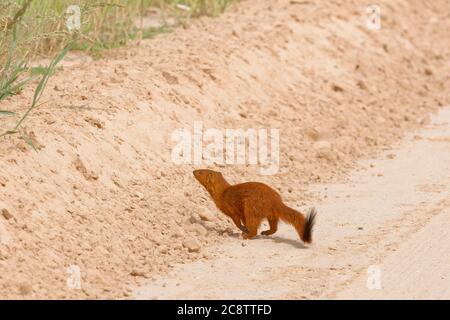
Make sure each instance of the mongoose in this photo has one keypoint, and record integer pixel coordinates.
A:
(251, 202)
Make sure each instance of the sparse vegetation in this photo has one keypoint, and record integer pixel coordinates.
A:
(46, 73)
(41, 25)
(32, 29)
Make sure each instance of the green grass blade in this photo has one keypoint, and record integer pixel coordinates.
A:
(28, 140)
(6, 113)
(42, 84)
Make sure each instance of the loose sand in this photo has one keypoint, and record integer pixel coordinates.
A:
(102, 193)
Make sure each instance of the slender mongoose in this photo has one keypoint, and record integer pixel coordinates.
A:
(247, 204)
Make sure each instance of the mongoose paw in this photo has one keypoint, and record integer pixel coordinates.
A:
(265, 233)
(248, 236)
(243, 229)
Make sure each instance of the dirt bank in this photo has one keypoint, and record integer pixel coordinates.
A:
(103, 193)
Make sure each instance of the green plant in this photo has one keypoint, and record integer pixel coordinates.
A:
(41, 24)
(6, 113)
(36, 97)
(33, 28)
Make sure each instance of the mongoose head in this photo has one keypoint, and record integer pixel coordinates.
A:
(213, 181)
(207, 177)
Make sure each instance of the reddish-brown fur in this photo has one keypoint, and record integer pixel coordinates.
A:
(247, 204)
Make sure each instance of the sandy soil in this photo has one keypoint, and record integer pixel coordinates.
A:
(103, 195)
(392, 216)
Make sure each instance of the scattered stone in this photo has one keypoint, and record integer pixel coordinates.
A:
(206, 216)
(320, 145)
(362, 85)
(200, 230)
(324, 150)
(313, 133)
(209, 225)
(164, 250)
(192, 245)
(87, 174)
(25, 288)
(193, 219)
(337, 88)
(138, 195)
(178, 233)
(137, 273)
(171, 79)
(6, 214)
(114, 79)
(390, 156)
(126, 293)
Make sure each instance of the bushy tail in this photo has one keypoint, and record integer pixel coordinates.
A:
(304, 226)
(309, 224)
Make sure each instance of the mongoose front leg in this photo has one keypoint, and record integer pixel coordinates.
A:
(273, 223)
(243, 229)
(237, 222)
(252, 231)
(243, 223)
(252, 222)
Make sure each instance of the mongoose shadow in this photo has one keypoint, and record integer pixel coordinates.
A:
(292, 242)
(276, 239)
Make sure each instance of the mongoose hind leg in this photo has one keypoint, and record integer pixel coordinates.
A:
(273, 223)
(252, 226)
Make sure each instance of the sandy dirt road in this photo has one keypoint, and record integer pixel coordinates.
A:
(381, 234)
(104, 196)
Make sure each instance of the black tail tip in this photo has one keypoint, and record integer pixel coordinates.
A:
(309, 224)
